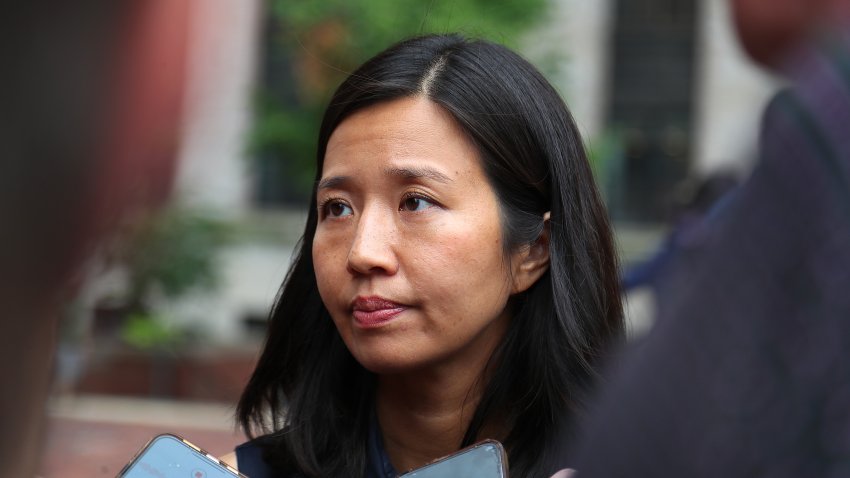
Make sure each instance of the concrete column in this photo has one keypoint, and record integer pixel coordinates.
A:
(213, 168)
(731, 93)
(572, 49)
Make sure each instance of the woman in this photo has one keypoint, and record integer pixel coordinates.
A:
(456, 279)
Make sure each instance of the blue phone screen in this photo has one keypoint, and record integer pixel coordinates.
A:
(168, 457)
(480, 461)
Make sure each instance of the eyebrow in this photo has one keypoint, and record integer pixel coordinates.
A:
(407, 174)
(417, 173)
(332, 182)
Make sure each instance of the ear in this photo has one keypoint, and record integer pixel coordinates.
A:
(531, 260)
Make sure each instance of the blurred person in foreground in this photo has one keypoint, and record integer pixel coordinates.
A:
(697, 200)
(748, 372)
(89, 108)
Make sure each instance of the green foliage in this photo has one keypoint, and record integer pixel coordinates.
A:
(171, 252)
(148, 332)
(166, 253)
(319, 43)
(369, 26)
(605, 154)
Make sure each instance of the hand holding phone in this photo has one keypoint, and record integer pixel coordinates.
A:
(170, 456)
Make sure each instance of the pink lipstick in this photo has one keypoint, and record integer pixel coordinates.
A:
(374, 311)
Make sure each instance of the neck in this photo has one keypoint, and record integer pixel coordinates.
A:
(425, 416)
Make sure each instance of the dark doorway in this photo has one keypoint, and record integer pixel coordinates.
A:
(652, 72)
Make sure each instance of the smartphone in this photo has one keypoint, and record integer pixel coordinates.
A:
(485, 459)
(170, 456)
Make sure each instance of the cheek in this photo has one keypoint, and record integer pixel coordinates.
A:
(328, 259)
(328, 268)
(463, 265)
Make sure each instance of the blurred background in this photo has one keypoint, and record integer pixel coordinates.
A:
(167, 318)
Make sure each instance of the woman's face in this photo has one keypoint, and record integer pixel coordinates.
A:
(408, 249)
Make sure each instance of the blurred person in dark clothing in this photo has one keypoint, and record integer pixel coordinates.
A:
(698, 199)
(747, 373)
(90, 94)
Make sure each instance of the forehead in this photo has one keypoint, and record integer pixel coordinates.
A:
(406, 130)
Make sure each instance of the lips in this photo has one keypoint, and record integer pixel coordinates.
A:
(369, 312)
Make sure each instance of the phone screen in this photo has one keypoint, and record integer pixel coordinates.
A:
(169, 456)
(482, 460)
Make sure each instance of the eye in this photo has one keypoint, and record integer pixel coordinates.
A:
(335, 208)
(415, 203)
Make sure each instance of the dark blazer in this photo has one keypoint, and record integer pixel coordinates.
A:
(747, 371)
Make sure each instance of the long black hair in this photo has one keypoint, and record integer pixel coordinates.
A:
(312, 397)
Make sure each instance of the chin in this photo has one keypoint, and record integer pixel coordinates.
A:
(387, 364)
(384, 366)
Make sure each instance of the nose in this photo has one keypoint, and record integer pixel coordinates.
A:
(373, 248)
